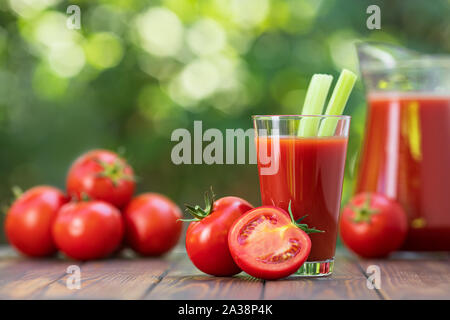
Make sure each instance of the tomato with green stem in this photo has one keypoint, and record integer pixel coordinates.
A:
(29, 220)
(372, 225)
(207, 234)
(268, 243)
(101, 175)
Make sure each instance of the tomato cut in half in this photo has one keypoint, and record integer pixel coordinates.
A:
(266, 243)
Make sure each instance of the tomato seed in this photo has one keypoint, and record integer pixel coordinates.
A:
(284, 256)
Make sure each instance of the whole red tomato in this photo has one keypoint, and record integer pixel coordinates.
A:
(207, 238)
(28, 224)
(373, 225)
(101, 175)
(152, 225)
(88, 230)
(268, 243)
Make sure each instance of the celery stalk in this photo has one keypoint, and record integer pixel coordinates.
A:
(314, 101)
(338, 100)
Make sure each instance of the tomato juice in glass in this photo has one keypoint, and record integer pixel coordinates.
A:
(306, 172)
(406, 156)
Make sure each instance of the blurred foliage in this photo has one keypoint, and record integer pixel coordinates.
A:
(137, 70)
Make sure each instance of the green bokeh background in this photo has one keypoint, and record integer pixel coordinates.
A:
(137, 70)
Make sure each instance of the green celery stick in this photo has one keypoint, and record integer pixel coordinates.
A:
(337, 102)
(315, 99)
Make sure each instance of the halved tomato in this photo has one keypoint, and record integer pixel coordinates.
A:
(267, 243)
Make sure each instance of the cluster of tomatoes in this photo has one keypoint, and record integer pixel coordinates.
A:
(96, 215)
(230, 236)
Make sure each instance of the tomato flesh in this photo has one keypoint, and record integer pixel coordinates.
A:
(266, 244)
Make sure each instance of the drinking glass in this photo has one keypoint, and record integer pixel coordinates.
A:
(306, 172)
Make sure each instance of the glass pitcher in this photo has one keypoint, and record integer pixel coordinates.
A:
(406, 150)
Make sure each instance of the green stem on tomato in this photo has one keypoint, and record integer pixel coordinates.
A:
(302, 226)
(199, 213)
(364, 212)
(17, 192)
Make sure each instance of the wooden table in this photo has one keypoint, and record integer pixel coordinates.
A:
(404, 276)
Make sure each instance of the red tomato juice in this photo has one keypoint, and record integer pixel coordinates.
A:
(406, 156)
(310, 175)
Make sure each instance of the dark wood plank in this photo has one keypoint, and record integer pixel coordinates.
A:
(347, 282)
(186, 282)
(24, 278)
(413, 275)
(116, 278)
(403, 276)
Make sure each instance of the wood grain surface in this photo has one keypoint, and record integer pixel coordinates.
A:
(127, 276)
